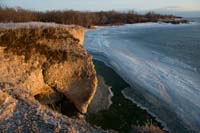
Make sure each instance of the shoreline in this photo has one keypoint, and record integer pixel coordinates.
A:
(164, 125)
(106, 26)
(142, 107)
(102, 98)
(132, 115)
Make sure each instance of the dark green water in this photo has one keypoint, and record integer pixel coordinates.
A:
(122, 114)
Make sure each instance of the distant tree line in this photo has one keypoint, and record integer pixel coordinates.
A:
(84, 18)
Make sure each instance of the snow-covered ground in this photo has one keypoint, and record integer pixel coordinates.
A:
(12, 25)
(144, 56)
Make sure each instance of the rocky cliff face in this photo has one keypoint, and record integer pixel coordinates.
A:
(40, 64)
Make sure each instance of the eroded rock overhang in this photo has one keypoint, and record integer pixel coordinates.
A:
(45, 60)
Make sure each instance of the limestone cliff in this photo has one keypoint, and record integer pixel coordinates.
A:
(43, 62)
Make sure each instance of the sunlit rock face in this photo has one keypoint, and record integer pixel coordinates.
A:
(47, 60)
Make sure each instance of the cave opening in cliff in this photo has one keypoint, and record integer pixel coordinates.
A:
(63, 105)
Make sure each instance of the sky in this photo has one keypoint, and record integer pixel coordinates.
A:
(97, 5)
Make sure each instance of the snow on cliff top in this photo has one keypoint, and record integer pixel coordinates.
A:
(12, 25)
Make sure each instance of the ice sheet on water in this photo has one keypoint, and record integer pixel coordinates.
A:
(167, 79)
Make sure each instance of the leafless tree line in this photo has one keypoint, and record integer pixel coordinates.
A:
(84, 18)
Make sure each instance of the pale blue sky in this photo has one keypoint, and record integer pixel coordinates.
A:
(138, 5)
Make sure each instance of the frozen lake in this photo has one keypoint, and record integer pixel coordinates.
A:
(162, 64)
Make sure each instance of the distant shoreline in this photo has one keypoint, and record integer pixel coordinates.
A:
(87, 19)
(167, 21)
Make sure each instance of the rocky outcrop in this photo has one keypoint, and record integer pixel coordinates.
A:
(45, 62)
(40, 65)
